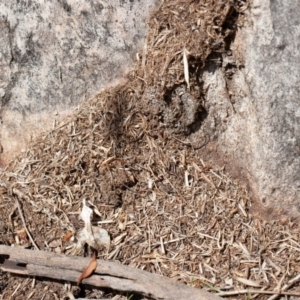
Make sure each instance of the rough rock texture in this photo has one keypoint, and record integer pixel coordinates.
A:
(253, 104)
(54, 54)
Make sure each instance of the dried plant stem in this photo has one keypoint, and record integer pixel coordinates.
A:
(285, 287)
(274, 293)
(24, 225)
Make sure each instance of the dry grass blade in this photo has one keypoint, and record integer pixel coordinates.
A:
(261, 292)
(247, 282)
(186, 68)
(286, 287)
(24, 224)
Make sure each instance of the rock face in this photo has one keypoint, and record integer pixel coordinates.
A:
(254, 108)
(54, 54)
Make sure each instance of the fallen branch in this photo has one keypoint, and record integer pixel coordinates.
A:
(107, 274)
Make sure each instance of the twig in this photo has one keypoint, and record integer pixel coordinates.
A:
(274, 293)
(16, 290)
(24, 225)
(285, 287)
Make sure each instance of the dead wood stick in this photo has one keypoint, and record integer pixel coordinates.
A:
(108, 274)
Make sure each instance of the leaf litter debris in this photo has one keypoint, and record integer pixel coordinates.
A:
(89, 270)
(127, 153)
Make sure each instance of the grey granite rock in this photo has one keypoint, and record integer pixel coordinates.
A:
(254, 116)
(54, 54)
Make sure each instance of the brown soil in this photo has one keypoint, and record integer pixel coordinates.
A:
(129, 152)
